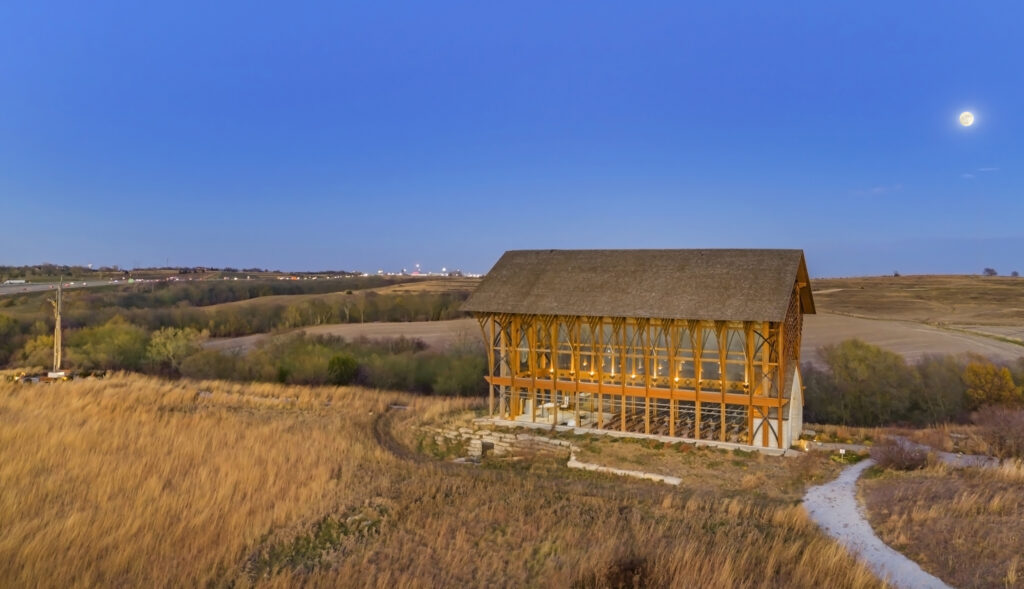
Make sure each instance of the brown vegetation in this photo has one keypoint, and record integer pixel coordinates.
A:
(915, 316)
(135, 481)
(898, 454)
(962, 525)
(712, 472)
(994, 431)
(962, 300)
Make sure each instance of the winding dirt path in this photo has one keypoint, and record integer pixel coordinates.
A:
(834, 507)
(382, 434)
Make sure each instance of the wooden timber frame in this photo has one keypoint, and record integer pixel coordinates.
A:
(693, 344)
(692, 379)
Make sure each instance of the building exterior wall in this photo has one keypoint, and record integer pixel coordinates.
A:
(695, 379)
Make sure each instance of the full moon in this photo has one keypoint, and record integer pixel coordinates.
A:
(966, 118)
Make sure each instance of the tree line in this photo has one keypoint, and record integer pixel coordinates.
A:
(864, 385)
(150, 311)
(295, 358)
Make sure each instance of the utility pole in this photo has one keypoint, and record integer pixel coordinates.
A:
(56, 330)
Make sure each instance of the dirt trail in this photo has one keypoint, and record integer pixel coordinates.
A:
(382, 434)
(834, 507)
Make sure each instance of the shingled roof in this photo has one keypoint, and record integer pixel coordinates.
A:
(716, 284)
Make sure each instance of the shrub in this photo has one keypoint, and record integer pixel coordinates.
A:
(1003, 430)
(899, 454)
(988, 384)
(211, 364)
(168, 346)
(342, 369)
(115, 345)
(941, 392)
(864, 385)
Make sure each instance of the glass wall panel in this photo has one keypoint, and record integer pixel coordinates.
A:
(588, 370)
(565, 359)
(543, 350)
(610, 355)
(524, 350)
(736, 357)
(710, 362)
(685, 368)
(660, 372)
(634, 341)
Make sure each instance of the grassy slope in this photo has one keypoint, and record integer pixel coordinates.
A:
(964, 300)
(919, 315)
(965, 526)
(139, 482)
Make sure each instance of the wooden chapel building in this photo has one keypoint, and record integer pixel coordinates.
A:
(697, 344)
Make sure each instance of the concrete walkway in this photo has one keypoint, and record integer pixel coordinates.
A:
(834, 507)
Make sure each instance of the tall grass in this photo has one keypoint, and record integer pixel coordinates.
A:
(963, 525)
(135, 481)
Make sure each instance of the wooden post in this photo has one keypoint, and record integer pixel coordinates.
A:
(622, 373)
(57, 331)
(673, 358)
(555, 371)
(698, 369)
(648, 365)
(515, 336)
(531, 341)
(766, 377)
(600, 376)
(723, 344)
(576, 346)
(782, 378)
(485, 322)
(749, 371)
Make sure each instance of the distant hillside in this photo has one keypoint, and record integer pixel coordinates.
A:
(936, 300)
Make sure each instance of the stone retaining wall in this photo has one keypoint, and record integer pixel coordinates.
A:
(484, 441)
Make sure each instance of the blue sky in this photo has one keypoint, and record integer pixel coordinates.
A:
(313, 135)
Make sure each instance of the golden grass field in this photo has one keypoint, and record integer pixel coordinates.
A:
(436, 334)
(936, 300)
(426, 286)
(965, 526)
(134, 481)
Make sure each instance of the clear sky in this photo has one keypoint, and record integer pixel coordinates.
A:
(366, 135)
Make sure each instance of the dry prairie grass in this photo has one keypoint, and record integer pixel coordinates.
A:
(712, 472)
(136, 481)
(970, 300)
(948, 437)
(962, 525)
(844, 434)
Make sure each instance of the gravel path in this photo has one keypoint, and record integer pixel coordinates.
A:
(834, 507)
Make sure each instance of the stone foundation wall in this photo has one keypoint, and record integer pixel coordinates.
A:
(484, 441)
